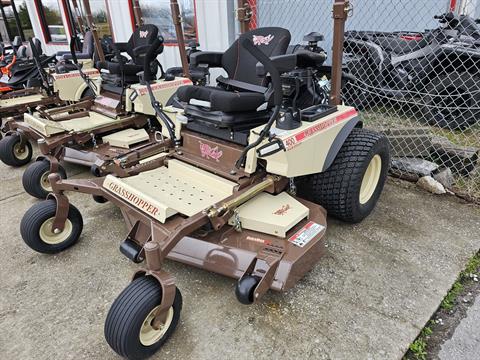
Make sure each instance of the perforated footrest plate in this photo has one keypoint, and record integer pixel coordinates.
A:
(178, 188)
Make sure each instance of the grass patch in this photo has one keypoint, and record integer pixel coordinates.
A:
(472, 267)
(419, 346)
(449, 301)
(418, 350)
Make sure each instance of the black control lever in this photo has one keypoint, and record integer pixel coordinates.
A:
(41, 70)
(277, 96)
(84, 76)
(148, 78)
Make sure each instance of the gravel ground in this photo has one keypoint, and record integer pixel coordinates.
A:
(366, 299)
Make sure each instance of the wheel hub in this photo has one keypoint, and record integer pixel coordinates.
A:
(370, 179)
(148, 334)
(51, 237)
(45, 183)
(20, 151)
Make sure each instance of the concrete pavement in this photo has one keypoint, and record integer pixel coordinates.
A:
(367, 299)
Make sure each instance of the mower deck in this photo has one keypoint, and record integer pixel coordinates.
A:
(90, 122)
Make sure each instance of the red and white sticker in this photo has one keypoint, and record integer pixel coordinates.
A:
(165, 85)
(294, 140)
(303, 236)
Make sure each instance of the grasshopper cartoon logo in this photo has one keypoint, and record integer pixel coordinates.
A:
(210, 153)
(262, 40)
(283, 210)
(143, 34)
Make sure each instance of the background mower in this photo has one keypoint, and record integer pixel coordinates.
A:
(107, 133)
(54, 86)
(243, 189)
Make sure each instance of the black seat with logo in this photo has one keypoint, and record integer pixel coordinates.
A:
(243, 90)
(241, 101)
(136, 47)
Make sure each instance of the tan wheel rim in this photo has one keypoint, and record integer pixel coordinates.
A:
(21, 152)
(44, 183)
(49, 237)
(370, 179)
(148, 334)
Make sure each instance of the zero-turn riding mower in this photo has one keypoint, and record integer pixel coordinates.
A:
(48, 87)
(107, 133)
(243, 190)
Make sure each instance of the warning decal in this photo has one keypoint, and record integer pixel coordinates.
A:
(303, 236)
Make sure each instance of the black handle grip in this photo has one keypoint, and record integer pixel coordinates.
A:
(269, 66)
(149, 57)
(73, 40)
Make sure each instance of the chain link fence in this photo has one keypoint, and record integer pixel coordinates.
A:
(413, 70)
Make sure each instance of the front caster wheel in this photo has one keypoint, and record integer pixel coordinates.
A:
(129, 326)
(35, 179)
(13, 153)
(245, 289)
(36, 228)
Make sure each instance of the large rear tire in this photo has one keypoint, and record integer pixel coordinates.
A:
(350, 188)
(128, 327)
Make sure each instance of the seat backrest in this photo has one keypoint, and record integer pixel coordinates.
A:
(143, 35)
(17, 42)
(88, 46)
(21, 52)
(38, 47)
(240, 64)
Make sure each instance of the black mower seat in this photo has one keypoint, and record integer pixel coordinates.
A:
(16, 43)
(136, 47)
(220, 99)
(243, 91)
(87, 49)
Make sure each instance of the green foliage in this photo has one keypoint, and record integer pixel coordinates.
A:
(472, 267)
(449, 301)
(418, 348)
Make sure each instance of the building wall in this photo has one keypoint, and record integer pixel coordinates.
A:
(48, 48)
(215, 27)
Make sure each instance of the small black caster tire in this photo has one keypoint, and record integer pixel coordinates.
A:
(35, 178)
(245, 289)
(35, 228)
(99, 199)
(12, 153)
(95, 170)
(128, 328)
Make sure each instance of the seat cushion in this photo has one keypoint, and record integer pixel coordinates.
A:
(222, 100)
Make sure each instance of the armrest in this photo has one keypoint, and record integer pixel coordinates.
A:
(210, 58)
(140, 50)
(120, 46)
(283, 63)
(302, 59)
